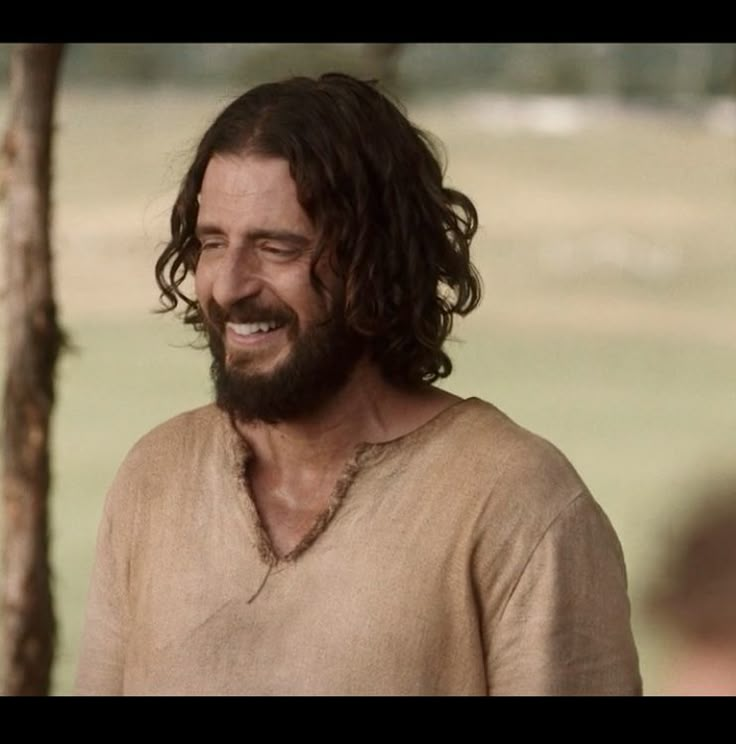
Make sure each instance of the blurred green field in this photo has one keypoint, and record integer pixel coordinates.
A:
(608, 257)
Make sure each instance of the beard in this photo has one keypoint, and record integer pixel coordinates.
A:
(319, 364)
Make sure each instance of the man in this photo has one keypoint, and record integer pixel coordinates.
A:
(335, 524)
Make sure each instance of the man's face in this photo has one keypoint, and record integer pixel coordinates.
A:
(279, 351)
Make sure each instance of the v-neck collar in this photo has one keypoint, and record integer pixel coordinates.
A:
(240, 456)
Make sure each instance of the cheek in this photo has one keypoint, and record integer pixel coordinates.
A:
(311, 304)
(202, 284)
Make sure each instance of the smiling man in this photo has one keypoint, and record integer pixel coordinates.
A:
(279, 349)
(334, 523)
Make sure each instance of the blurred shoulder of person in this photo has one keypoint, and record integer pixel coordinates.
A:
(695, 599)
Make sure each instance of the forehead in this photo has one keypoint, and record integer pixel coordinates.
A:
(248, 187)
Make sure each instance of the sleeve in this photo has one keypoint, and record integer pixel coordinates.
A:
(101, 661)
(565, 628)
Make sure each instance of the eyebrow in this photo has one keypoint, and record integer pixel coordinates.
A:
(282, 236)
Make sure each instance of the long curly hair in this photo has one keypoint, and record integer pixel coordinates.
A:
(372, 184)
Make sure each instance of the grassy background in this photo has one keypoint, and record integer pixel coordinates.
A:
(607, 252)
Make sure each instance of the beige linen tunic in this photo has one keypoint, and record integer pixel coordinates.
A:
(466, 557)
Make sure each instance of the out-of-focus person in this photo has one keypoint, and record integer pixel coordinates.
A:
(695, 599)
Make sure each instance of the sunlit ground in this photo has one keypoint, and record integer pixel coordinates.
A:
(608, 257)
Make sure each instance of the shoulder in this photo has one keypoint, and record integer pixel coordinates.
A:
(169, 457)
(178, 438)
(548, 565)
(186, 428)
(517, 464)
(531, 492)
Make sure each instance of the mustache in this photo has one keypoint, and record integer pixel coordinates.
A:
(248, 311)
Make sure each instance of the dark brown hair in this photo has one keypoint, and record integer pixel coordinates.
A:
(372, 184)
(696, 593)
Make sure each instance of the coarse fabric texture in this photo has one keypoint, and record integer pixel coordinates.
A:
(464, 558)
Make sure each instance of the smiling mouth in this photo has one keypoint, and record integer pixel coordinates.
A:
(258, 335)
(244, 330)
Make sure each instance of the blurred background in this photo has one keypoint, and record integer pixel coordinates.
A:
(605, 180)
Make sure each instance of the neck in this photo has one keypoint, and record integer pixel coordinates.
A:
(366, 409)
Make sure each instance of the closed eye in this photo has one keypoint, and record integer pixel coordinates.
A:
(281, 252)
(211, 244)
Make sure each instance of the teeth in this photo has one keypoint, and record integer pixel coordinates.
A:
(247, 329)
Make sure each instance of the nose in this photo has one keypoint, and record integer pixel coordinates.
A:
(236, 276)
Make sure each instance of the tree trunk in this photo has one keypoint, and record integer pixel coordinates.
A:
(33, 341)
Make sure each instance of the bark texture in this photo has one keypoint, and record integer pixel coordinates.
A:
(33, 341)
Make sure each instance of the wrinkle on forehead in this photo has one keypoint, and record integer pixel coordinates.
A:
(253, 189)
(245, 175)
